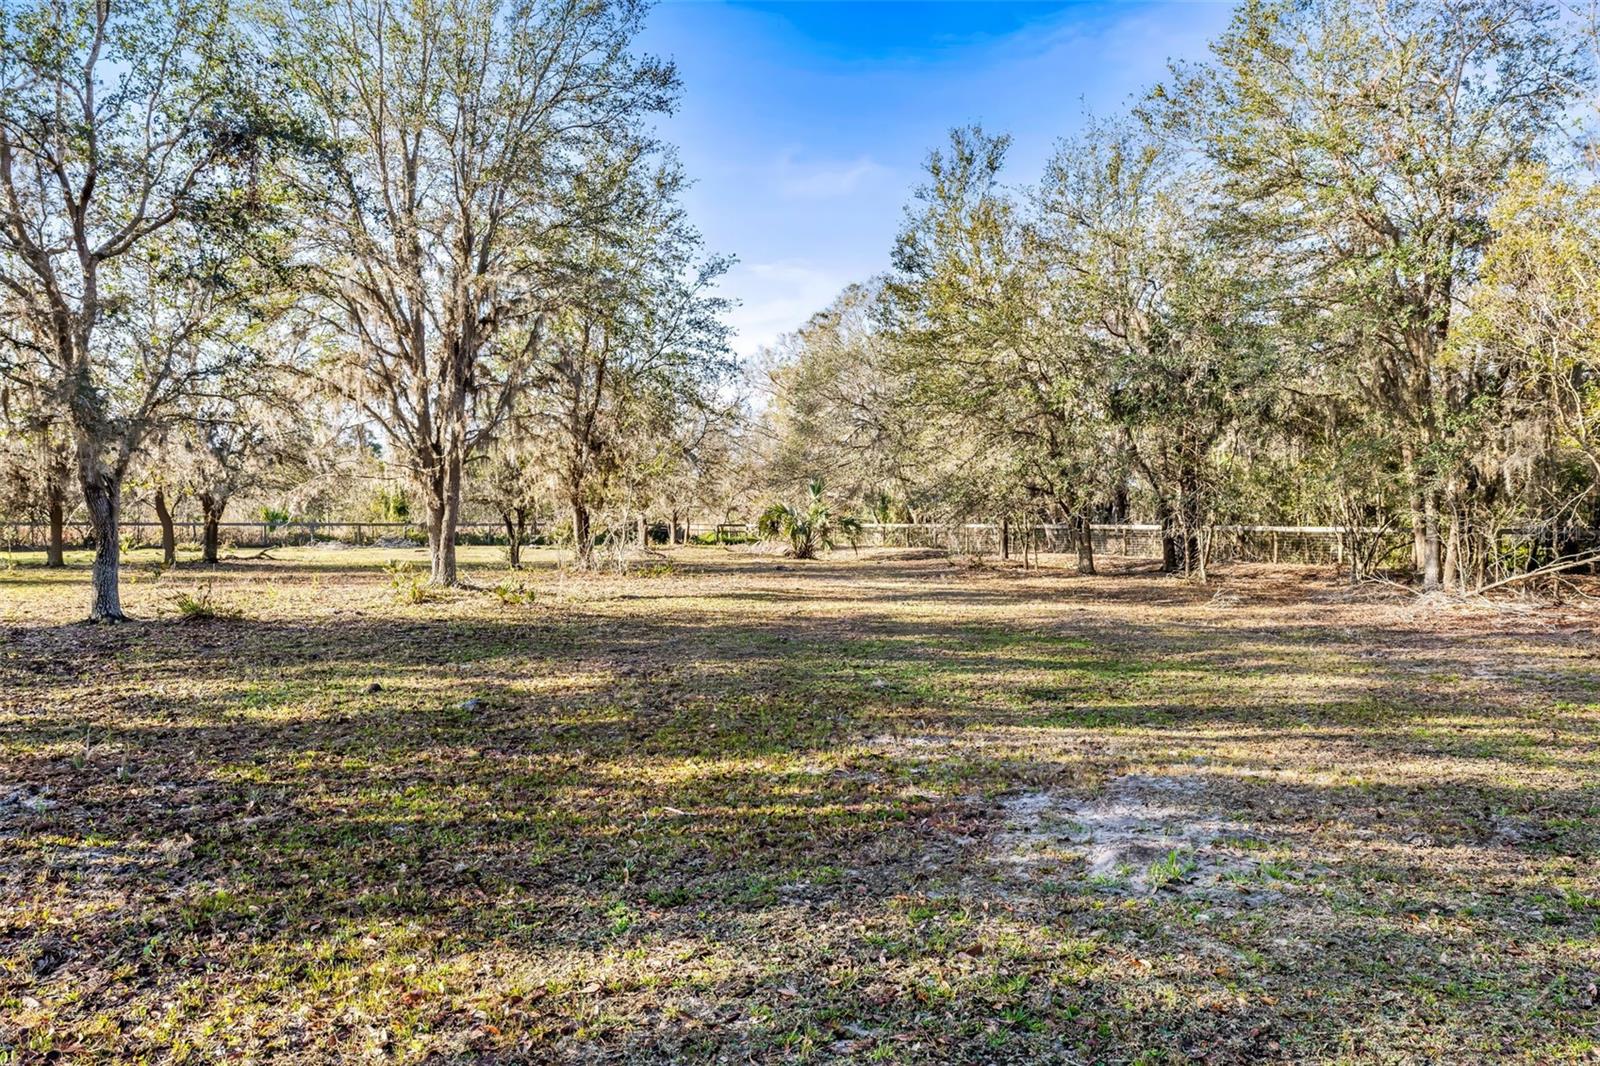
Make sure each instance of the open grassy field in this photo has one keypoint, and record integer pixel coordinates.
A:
(731, 808)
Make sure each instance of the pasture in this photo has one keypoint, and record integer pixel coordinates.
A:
(726, 807)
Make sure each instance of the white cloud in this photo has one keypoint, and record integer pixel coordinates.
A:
(799, 180)
(777, 298)
(806, 179)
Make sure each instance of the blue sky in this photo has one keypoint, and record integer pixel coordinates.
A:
(804, 123)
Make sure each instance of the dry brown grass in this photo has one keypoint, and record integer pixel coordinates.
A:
(872, 808)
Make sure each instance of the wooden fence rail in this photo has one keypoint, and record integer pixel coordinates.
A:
(1297, 544)
(1300, 544)
(24, 535)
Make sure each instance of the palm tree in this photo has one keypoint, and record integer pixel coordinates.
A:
(809, 530)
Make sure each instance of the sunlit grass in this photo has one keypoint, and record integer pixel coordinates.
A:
(730, 808)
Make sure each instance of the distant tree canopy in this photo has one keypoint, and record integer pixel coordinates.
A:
(452, 225)
(400, 263)
(1327, 277)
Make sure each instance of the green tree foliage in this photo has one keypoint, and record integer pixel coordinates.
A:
(992, 341)
(1367, 141)
(135, 221)
(1527, 451)
(509, 480)
(637, 348)
(838, 409)
(1246, 302)
(1100, 317)
(477, 154)
(809, 527)
(1342, 272)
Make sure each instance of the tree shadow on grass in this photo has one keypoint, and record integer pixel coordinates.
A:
(767, 833)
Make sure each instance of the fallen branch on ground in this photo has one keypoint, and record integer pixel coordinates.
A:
(1556, 567)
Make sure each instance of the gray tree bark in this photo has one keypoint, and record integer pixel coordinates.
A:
(102, 494)
(56, 554)
(169, 537)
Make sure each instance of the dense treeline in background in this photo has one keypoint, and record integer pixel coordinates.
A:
(1344, 274)
(260, 251)
(380, 261)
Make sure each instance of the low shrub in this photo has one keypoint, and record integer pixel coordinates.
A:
(200, 606)
(513, 595)
(407, 582)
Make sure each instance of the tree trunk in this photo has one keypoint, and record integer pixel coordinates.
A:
(1454, 570)
(1180, 550)
(1119, 505)
(1191, 520)
(515, 520)
(1424, 519)
(169, 538)
(444, 514)
(102, 495)
(211, 508)
(56, 553)
(513, 549)
(1419, 535)
(1430, 540)
(582, 535)
(644, 532)
(1169, 540)
(1085, 539)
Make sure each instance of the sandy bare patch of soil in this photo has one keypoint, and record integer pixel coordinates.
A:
(1145, 833)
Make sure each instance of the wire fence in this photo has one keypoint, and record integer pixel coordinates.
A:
(29, 535)
(1287, 544)
(1330, 545)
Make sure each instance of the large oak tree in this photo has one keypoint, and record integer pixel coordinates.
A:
(130, 221)
(473, 144)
